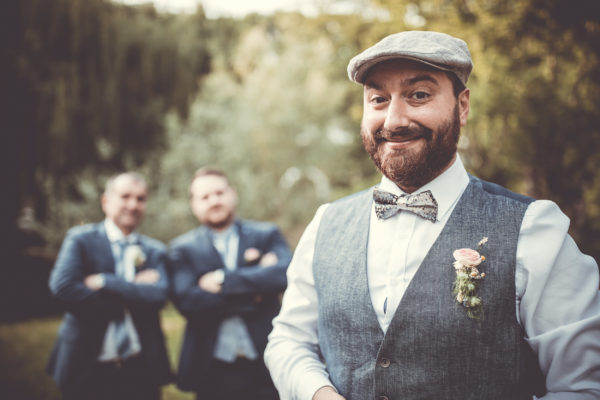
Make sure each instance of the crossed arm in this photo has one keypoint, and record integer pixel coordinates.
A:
(82, 293)
(200, 287)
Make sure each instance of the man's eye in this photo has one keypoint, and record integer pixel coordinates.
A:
(420, 95)
(378, 99)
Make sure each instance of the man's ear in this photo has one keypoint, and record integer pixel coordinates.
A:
(463, 106)
(236, 196)
(103, 201)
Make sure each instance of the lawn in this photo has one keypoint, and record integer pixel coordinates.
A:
(26, 345)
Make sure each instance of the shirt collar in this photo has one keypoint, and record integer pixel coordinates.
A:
(115, 234)
(224, 235)
(446, 188)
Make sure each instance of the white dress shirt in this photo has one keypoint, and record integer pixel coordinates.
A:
(557, 299)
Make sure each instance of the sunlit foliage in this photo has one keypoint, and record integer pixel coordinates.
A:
(267, 99)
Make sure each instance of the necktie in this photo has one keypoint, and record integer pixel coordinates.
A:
(122, 338)
(388, 204)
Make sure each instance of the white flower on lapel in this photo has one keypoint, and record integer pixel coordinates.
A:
(251, 255)
(137, 255)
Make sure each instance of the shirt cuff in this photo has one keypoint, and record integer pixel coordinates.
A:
(219, 276)
(312, 385)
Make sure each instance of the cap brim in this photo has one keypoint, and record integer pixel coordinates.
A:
(362, 69)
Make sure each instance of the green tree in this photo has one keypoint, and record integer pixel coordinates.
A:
(274, 114)
(97, 79)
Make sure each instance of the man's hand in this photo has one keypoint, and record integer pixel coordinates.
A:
(147, 276)
(94, 281)
(327, 393)
(209, 283)
(269, 259)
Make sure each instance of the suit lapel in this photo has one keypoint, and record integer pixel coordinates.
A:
(242, 244)
(206, 249)
(104, 250)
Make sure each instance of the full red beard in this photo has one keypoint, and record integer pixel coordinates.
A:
(411, 169)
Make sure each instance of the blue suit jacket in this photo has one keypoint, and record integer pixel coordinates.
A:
(86, 250)
(250, 291)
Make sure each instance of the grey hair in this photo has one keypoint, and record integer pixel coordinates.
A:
(135, 176)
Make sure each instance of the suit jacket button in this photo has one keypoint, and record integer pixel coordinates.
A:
(384, 362)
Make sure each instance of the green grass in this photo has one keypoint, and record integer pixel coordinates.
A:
(25, 347)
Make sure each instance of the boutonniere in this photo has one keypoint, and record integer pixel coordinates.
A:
(137, 254)
(468, 276)
(251, 255)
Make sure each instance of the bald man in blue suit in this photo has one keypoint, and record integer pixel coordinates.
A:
(112, 282)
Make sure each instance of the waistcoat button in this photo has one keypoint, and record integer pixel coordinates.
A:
(384, 362)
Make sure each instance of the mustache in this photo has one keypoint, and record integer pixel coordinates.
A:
(383, 134)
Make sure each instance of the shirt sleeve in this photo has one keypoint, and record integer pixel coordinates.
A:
(292, 353)
(558, 304)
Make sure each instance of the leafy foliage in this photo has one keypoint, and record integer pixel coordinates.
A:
(98, 79)
(266, 98)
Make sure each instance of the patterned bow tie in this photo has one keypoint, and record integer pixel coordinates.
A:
(387, 204)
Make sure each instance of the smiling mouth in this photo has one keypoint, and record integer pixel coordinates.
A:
(404, 135)
(401, 139)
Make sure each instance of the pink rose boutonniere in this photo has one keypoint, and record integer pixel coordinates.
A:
(467, 263)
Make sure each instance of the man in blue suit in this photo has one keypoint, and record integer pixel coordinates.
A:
(112, 282)
(227, 276)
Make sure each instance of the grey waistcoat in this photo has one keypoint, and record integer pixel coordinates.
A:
(431, 349)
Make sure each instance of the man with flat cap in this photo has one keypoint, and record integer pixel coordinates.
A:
(434, 284)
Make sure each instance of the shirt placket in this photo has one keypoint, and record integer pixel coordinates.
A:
(397, 263)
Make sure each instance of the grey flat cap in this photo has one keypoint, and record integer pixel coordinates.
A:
(437, 49)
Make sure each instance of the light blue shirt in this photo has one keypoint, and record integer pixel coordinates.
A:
(233, 339)
(109, 347)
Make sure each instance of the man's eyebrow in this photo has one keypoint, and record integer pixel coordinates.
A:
(421, 78)
(372, 85)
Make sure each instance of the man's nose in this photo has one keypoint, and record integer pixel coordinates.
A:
(214, 199)
(397, 115)
(133, 203)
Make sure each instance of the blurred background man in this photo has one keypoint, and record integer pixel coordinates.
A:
(227, 275)
(112, 281)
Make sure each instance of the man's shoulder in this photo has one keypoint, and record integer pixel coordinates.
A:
(185, 238)
(494, 189)
(256, 227)
(85, 230)
(152, 242)
(363, 195)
